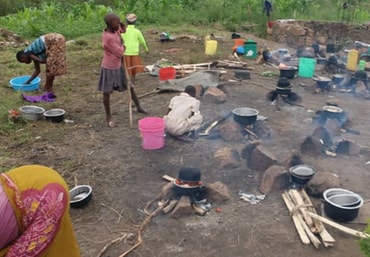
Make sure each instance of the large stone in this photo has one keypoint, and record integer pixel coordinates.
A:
(249, 147)
(227, 158)
(311, 146)
(213, 94)
(322, 181)
(231, 131)
(274, 177)
(294, 159)
(217, 192)
(183, 207)
(167, 191)
(348, 147)
(262, 129)
(199, 91)
(260, 159)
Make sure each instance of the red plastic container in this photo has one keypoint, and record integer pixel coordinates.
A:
(167, 73)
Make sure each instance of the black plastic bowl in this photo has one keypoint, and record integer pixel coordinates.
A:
(55, 115)
(80, 196)
(245, 116)
(339, 212)
(301, 174)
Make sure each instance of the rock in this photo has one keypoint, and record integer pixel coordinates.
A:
(320, 182)
(348, 147)
(183, 207)
(262, 129)
(311, 146)
(260, 159)
(228, 158)
(294, 159)
(322, 134)
(199, 91)
(274, 177)
(247, 150)
(213, 94)
(231, 132)
(167, 191)
(217, 192)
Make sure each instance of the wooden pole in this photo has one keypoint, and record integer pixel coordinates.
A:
(128, 82)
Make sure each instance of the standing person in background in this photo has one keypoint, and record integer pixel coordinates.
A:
(133, 40)
(34, 211)
(49, 49)
(112, 76)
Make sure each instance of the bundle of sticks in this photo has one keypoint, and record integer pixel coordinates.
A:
(310, 225)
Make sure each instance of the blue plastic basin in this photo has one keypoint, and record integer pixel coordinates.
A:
(17, 83)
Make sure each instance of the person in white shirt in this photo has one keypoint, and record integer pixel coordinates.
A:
(183, 116)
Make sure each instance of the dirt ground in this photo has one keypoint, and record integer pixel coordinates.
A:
(126, 177)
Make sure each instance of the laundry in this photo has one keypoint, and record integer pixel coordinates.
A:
(47, 97)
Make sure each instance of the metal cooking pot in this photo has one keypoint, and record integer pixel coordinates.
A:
(245, 115)
(301, 174)
(333, 111)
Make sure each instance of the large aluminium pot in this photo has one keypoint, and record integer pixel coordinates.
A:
(335, 205)
(245, 115)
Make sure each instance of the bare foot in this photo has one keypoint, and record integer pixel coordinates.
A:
(141, 110)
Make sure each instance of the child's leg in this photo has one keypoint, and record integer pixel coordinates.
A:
(106, 103)
(136, 101)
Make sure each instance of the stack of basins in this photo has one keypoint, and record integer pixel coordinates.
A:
(341, 204)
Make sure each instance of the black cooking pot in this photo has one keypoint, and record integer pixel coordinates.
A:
(337, 79)
(288, 72)
(301, 174)
(245, 115)
(283, 90)
(339, 212)
(188, 174)
(323, 82)
(333, 112)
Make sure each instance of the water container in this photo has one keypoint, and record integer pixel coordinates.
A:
(211, 47)
(152, 132)
(306, 67)
(250, 49)
(238, 42)
(167, 73)
(362, 65)
(352, 60)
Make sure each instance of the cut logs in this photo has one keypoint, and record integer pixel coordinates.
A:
(310, 225)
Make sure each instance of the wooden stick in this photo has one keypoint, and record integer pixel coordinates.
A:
(302, 234)
(145, 222)
(170, 206)
(117, 240)
(149, 93)
(128, 82)
(168, 178)
(327, 239)
(339, 226)
(314, 240)
(297, 199)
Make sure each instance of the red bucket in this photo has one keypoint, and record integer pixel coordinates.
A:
(167, 73)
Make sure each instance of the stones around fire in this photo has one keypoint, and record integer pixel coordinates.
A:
(320, 182)
(311, 146)
(183, 207)
(275, 177)
(348, 147)
(262, 129)
(217, 192)
(294, 159)
(227, 158)
(231, 132)
(260, 159)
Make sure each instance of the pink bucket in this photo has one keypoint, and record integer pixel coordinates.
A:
(152, 132)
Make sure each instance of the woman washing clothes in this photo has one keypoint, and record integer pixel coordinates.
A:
(49, 49)
(34, 211)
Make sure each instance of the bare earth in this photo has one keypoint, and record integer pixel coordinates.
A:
(126, 177)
